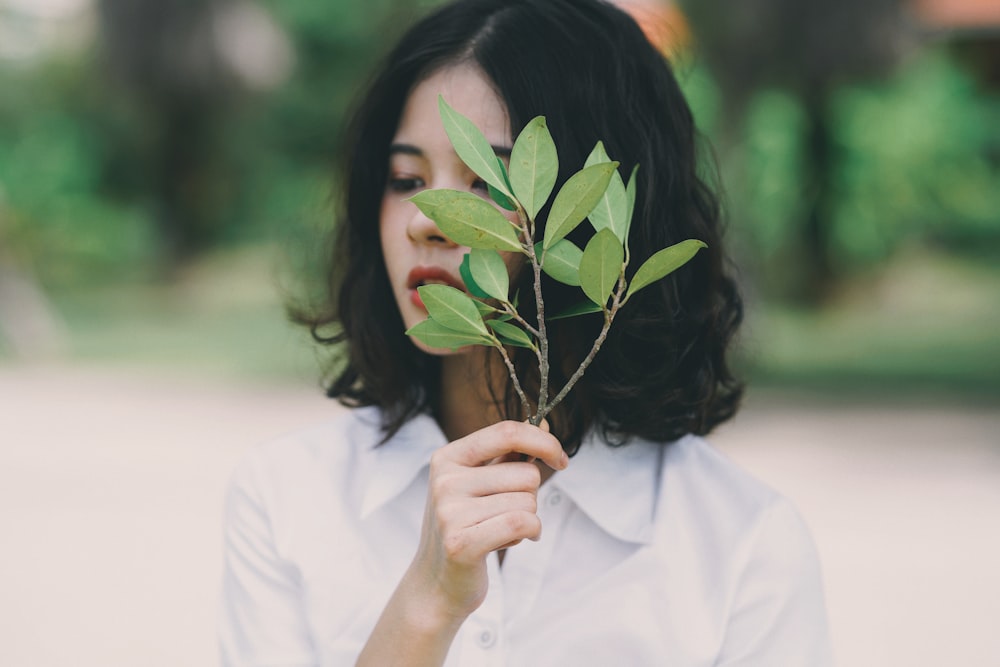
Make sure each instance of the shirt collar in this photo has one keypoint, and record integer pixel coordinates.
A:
(616, 487)
(393, 465)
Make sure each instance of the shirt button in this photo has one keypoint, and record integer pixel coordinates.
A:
(486, 639)
(555, 499)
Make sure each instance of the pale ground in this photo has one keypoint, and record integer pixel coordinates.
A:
(111, 486)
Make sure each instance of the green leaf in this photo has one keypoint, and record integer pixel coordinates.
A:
(486, 310)
(452, 308)
(489, 272)
(562, 261)
(433, 334)
(601, 265)
(576, 199)
(470, 283)
(503, 172)
(584, 308)
(663, 263)
(630, 202)
(511, 334)
(612, 209)
(468, 219)
(534, 166)
(472, 147)
(500, 198)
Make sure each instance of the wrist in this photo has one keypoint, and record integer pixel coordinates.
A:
(414, 629)
(429, 610)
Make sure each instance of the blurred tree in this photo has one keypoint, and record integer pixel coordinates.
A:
(29, 326)
(973, 27)
(809, 48)
(216, 163)
(184, 64)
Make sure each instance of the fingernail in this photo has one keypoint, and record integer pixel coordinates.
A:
(565, 460)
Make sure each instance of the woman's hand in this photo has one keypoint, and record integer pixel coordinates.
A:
(481, 498)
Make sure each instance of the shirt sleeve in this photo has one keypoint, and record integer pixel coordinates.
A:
(778, 613)
(262, 621)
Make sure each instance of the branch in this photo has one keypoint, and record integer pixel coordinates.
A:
(609, 316)
(543, 340)
(525, 405)
(510, 310)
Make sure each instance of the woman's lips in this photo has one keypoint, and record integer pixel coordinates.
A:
(429, 275)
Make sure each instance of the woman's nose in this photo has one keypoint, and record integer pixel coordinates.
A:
(422, 229)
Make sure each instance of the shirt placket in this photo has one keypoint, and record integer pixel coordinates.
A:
(525, 565)
(513, 588)
(482, 640)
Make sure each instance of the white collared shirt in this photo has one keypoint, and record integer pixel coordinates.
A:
(649, 555)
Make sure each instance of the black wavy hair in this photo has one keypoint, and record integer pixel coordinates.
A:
(584, 64)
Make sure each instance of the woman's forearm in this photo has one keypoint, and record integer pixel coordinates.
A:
(411, 632)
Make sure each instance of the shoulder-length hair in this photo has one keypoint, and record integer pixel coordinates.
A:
(662, 371)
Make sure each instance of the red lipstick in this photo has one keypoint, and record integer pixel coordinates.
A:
(424, 275)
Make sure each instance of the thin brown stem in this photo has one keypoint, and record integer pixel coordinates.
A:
(543, 341)
(525, 404)
(609, 316)
(510, 310)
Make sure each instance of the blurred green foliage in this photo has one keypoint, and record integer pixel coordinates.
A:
(54, 213)
(919, 162)
(918, 156)
(918, 166)
(922, 160)
(76, 197)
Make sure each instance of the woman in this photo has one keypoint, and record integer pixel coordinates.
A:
(395, 533)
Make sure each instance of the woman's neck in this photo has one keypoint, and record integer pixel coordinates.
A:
(466, 403)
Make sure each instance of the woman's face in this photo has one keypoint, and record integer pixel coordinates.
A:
(421, 157)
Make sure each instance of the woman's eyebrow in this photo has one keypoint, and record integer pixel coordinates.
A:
(409, 149)
(405, 149)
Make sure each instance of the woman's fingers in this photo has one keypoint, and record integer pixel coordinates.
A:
(472, 543)
(487, 480)
(482, 497)
(504, 438)
(499, 531)
(459, 515)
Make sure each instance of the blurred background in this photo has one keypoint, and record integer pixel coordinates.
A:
(165, 187)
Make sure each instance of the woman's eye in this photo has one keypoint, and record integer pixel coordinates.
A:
(480, 184)
(405, 184)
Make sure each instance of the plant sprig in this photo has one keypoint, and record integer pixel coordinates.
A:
(488, 315)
